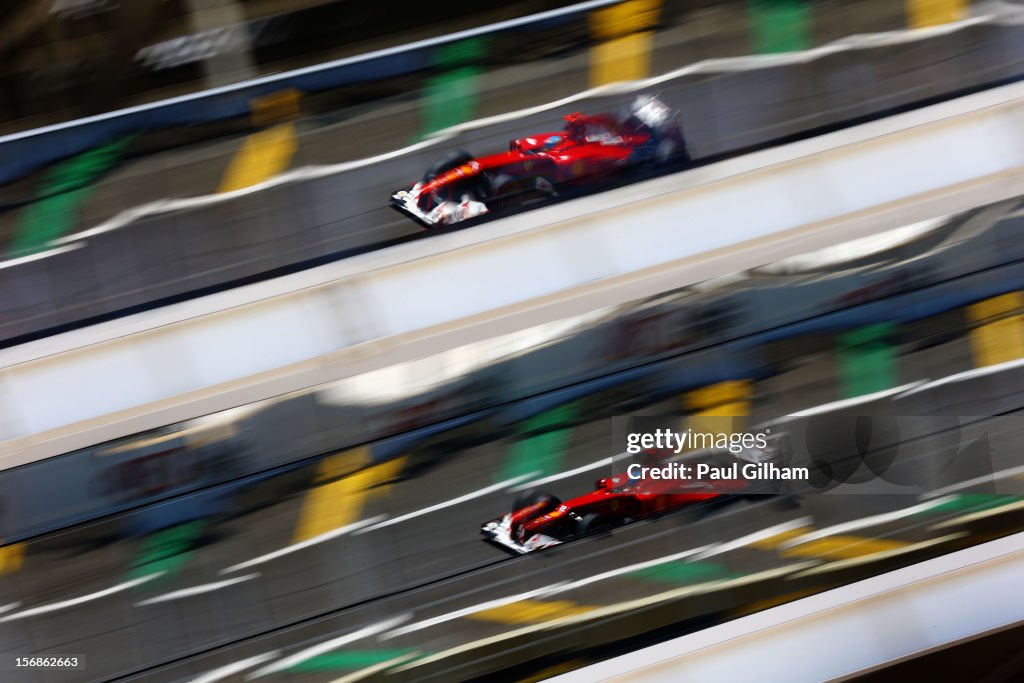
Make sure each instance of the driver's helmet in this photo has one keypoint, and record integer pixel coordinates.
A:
(576, 126)
(552, 142)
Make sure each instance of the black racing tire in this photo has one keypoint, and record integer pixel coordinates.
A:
(591, 523)
(506, 192)
(670, 150)
(532, 497)
(665, 152)
(453, 159)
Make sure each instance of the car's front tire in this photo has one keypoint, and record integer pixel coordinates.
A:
(532, 497)
(592, 523)
(506, 192)
(453, 159)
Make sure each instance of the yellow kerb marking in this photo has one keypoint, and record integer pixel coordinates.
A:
(843, 547)
(624, 53)
(923, 13)
(530, 611)
(998, 332)
(340, 502)
(11, 557)
(262, 156)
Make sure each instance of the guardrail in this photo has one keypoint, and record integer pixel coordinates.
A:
(173, 250)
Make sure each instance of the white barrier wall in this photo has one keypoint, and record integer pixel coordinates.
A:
(845, 630)
(190, 359)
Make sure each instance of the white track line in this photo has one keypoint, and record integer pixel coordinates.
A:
(761, 535)
(857, 400)
(196, 590)
(601, 612)
(287, 550)
(630, 568)
(875, 557)
(64, 604)
(234, 668)
(564, 475)
(864, 522)
(327, 646)
(376, 668)
(969, 374)
(980, 514)
(39, 255)
(986, 479)
(472, 609)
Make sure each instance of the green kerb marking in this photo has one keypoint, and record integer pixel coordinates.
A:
(684, 572)
(543, 447)
(974, 502)
(60, 195)
(780, 25)
(450, 97)
(166, 551)
(867, 362)
(333, 661)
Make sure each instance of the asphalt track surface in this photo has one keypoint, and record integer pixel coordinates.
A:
(718, 31)
(412, 575)
(239, 583)
(159, 259)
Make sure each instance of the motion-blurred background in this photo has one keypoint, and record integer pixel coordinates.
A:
(166, 517)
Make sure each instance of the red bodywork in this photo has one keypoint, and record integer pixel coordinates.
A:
(589, 149)
(618, 499)
(666, 481)
(600, 150)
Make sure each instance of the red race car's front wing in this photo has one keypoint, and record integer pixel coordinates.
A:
(499, 532)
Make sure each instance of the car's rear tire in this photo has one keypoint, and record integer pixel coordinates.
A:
(451, 160)
(671, 150)
(665, 152)
(532, 497)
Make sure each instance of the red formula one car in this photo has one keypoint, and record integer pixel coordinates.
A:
(589, 149)
(540, 520)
